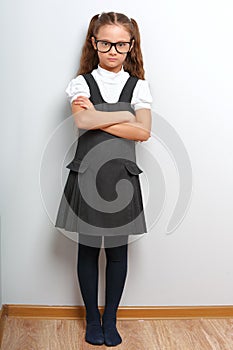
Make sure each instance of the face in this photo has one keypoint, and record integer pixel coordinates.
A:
(112, 60)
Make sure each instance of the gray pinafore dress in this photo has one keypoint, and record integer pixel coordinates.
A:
(102, 195)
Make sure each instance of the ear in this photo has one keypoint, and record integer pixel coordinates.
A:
(93, 42)
(132, 44)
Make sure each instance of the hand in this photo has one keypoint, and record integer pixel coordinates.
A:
(84, 102)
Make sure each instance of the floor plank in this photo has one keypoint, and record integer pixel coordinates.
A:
(196, 334)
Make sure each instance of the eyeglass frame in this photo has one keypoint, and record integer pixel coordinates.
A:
(114, 44)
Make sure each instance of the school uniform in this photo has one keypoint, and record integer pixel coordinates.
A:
(102, 195)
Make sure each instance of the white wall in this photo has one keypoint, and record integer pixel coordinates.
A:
(188, 60)
(0, 268)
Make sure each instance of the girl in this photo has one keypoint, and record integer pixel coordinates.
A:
(111, 105)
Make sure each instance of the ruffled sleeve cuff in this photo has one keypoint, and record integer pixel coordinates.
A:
(142, 97)
(77, 87)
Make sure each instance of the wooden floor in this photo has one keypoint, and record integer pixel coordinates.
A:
(196, 334)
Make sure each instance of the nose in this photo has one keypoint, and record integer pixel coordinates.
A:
(113, 47)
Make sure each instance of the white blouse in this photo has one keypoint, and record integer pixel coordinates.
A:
(111, 85)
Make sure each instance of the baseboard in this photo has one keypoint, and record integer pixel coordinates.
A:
(124, 312)
(3, 314)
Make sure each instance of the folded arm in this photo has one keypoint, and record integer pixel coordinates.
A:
(138, 130)
(121, 123)
(86, 117)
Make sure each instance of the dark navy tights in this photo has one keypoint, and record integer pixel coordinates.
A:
(116, 271)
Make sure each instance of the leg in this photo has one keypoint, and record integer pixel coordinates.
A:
(116, 271)
(88, 260)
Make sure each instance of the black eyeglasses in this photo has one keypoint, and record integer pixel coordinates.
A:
(105, 46)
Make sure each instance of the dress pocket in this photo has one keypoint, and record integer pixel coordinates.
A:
(77, 165)
(133, 168)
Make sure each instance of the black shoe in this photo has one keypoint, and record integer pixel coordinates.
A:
(94, 334)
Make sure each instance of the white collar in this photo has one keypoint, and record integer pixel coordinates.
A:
(104, 73)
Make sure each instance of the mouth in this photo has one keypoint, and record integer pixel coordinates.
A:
(112, 59)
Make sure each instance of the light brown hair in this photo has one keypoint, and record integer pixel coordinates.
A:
(133, 63)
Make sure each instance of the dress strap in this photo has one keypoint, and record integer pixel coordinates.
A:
(96, 97)
(127, 92)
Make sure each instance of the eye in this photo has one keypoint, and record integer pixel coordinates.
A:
(104, 43)
(122, 44)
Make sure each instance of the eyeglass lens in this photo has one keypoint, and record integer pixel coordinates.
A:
(105, 46)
